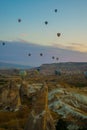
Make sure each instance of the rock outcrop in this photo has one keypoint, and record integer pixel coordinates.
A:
(40, 117)
(71, 105)
(68, 103)
(10, 97)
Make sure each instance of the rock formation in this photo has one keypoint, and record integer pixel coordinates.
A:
(40, 117)
(10, 97)
(71, 105)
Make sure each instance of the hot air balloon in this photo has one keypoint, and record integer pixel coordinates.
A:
(19, 20)
(58, 34)
(22, 73)
(85, 74)
(29, 54)
(53, 57)
(38, 69)
(57, 58)
(46, 22)
(57, 72)
(55, 10)
(3, 43)
(41, 54)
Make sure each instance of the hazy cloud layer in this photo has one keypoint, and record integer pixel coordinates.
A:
(73, 46)
(17, 52)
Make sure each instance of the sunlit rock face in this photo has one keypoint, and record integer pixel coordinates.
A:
(28, 90)
(71, 105)
(40, 117)
(10, 97)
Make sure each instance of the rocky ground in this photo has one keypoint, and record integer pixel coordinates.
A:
(43, 102)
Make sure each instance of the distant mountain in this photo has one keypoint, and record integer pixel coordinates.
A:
(13, 66)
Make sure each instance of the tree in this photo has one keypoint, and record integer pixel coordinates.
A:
(61, 125)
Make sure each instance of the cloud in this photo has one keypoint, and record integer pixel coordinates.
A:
(58, 45)
(76, 44)
(17, 52)
(78, 47)
(22, 40)
(72, 46)
(24, 34)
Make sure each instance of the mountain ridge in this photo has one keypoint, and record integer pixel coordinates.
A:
(4, 65)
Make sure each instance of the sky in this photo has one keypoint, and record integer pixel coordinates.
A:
(70, 20)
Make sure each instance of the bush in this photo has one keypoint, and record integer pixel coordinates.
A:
(61, 125)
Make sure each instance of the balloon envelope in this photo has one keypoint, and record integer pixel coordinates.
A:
(3, 43)
(57, 58)
(46, 22)
(55, 10)
(41, 54)
(85, 73)
(53, 57)
(29, 54)
(58, 34)
(22, 73)
(19, 20)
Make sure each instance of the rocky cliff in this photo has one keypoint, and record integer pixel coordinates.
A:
(10, 97)
(40, 117)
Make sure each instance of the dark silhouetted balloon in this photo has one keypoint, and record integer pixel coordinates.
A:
(38, 69)
(57, 72)
(29, 54)
(55, 10)
(53, 57)
(58, 34)
(19, 20)
(46, 22)
(57, 58)
(3, 43)
(85, 74)
(41, 54)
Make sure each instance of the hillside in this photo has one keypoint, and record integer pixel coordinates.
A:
(64, 67)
